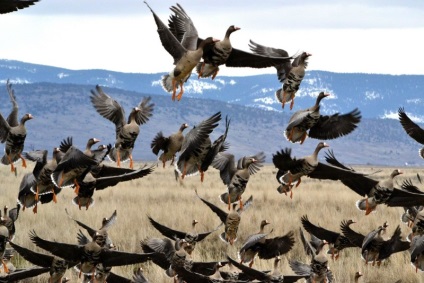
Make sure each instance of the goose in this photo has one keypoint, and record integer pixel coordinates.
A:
(191, 237)
(231, 220)
(317, 271)
(373, 247)
(169, 145)
(57, 266)
(237, 176)
(309, 122)
(337, 241)
(126, 132)
(195, 147)
(266, 277)
(265, 248)
(186, 53)
(290, 73)
(90, 254)
(377, 191)
(13, 133)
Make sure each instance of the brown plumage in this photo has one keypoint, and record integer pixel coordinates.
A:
(90, 254)
(13, 133)
(73, 164)
(195, 147)
(44, 184)
(126, 132)
(215, 54)
(289, 73)
(292, 169)
(57, 265)
(337, 241)
(8, 219)
(169, 145)
(373, 247)
(309, 122)
(186, 53)
(250, 274)
(377, 191)
(231, 220)
(172, 257)
(317, 271)
(191, 237)
(265, 248)
(236, 176)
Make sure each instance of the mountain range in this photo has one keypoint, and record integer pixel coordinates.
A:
(59, 100)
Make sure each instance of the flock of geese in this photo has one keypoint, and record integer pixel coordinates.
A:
(193, 154)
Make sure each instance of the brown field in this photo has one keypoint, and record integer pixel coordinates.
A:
(175, 205)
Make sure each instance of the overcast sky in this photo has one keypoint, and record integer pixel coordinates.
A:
(343, 36)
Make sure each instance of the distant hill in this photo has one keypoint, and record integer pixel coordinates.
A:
(64, 109)
(375, 95)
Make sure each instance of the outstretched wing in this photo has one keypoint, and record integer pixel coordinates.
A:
(169, 41)
(108, 108)
(334, 126)
(412, 129)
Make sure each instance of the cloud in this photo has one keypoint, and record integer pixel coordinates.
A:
(394, 115)
(372, 95)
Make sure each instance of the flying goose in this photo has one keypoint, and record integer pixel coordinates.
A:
(169, 145)
(309, 122)
(186, 53)
(289, 73)
(126, 132)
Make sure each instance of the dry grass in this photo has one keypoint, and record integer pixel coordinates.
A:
(175, 205)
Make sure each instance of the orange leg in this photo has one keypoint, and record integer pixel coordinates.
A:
(337, 255)
(77, 187)
(174, 89)
(251, 263)
(298, 183)
(173, 159)
(163, 162)
(282, 104)
(34, 210)
(181, 92)
(214, 74)
(241, 203)
(12, 167)
(291, 134)
(290, 180)
(201, 70)
(368, 210)
(36, 194)
(23, 161)
(131, 162)
(79, 204)
(54, 196)
(229, 202)
(118, 158)
(291, 193)
(303, 138)
(184, 170)
(292, 103)
(202, 176)
(61, 181)
(6, 270)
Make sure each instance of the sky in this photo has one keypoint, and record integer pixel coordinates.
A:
(380, 37)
